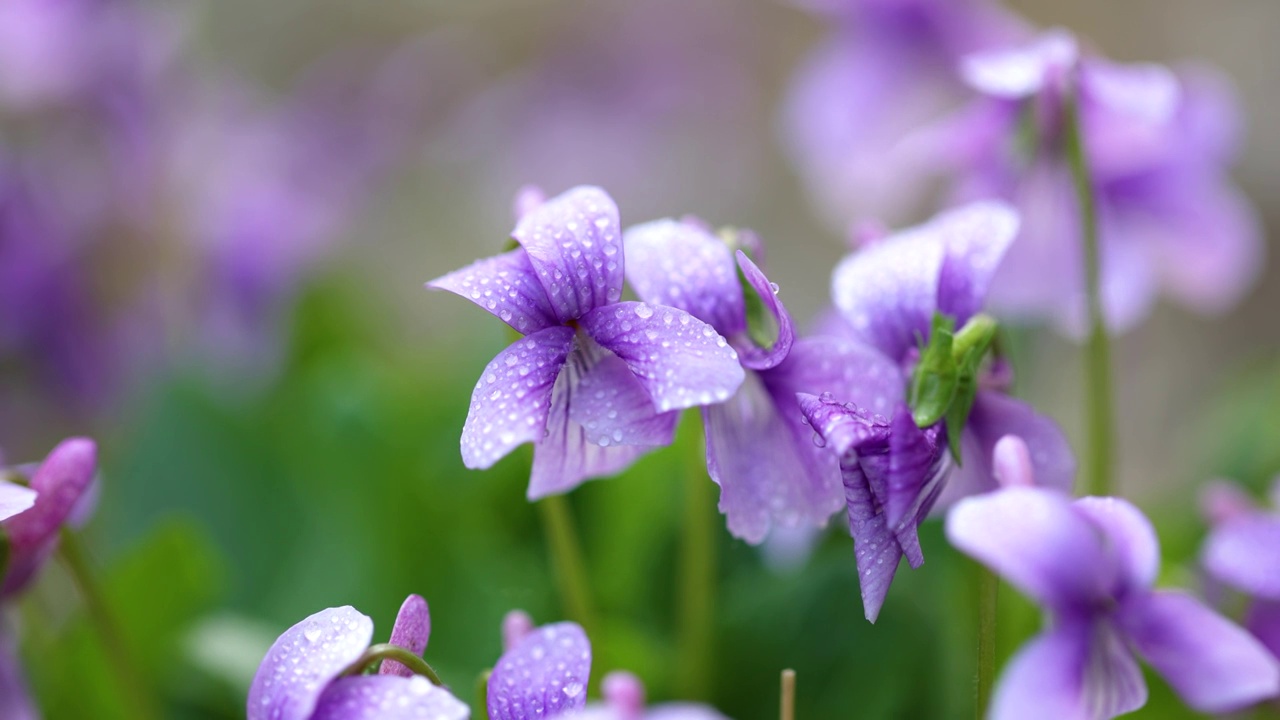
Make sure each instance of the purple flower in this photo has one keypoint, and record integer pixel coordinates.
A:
(1158, 143)
(888, 69)
(301, 677)
(758, 449)
(596, 381)
(1243, 553)
(31, 518)
(1091, 564)
(624, 700)
(15, 699)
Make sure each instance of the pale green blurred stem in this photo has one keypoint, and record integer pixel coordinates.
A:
(136, 695)
(697, 582)
(988, 603)
(1100, 432)
(567, 561)
(481, 711)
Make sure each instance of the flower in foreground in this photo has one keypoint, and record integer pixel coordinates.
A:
(1243, 553)
(1158, 143)
(759, 451)
(1091, 563)
(595, 381)
(304, 675)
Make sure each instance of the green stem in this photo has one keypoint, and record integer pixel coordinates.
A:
(141, 702)
(386, 651)
(1099, 460)
(988, 598)
(697, 575)
(482, 696)
(567, 561)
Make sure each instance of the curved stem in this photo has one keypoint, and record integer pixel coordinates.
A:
(697, 574)
(1099, 463)
(988, 598)
(386, 651)
(141, 702)
(567, 560)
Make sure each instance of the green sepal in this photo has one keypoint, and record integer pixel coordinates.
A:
(968, 351)
(933, 383)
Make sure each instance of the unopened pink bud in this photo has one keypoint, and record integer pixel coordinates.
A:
(1011, 462)
(624, 694)
(515, 626)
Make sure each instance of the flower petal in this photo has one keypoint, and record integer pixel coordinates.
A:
(15, 700)
(1263, 621)
(1023, 71)
(683, 266)
(545, 675)
(303, 660)
(679, 359)
(612, 406)
(1244, 552)
(752, 355)
(916, 465)
(411, 632)
(1130, 540)
(510, 402)
(506, 286)
(1079, 670)
(849, 371)
(977, 237)
(574, 242)
(875, 548)
(59, 483)
(683, 711)
(15, 499)
(1215, 665)
(763, 476)
(1036, 540)
(841, 427)
(383, 697)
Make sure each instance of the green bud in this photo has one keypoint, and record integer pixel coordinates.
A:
(933, 384)
(968, 351)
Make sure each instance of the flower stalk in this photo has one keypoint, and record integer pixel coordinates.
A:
(1100, 433)
(386, 651)
(787, 709)
(567, 560)
(696, 602)
(988, 600)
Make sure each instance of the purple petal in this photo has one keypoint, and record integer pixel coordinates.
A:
(977, 237)
(1142, 91)
(851, 372)
(1129, 539)
(915, 461)
(543, 676)
(1079, 670)
(753, 356)
(683, 266)
(764, 479)
(875, 548)
(1263, 621)
(1036, 540)
(613, 407)
(1222, 500)
(516, 624)
(679, 359)
(1023, 71)
(1244, 552)
(506, 286)
(411, 631)
(842, 427)
(304, 660)
(59, 483)
(574, 243)
(564, 456)
(1213, 664)
(1011, 463)
(511, 400)
(15, 700)
(995, 415)
(14, 499)
(385, 697)
(683, 711)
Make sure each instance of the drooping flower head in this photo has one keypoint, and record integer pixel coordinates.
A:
(34, 510)
(758, 450)
(308, 673)
(1091, 563)
(1158, 143)
(1242, 552)
(596, 380)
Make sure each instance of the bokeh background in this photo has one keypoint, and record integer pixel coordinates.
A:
(237, 205)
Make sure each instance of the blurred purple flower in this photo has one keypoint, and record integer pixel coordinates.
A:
(15, 698)
(887, 294)
(624, 699)
(887, 69)
(596, 381)
(301, 676)
(1243, 553)
(758, 450)
(1091, 564)
(1158, 144)
(31, 518)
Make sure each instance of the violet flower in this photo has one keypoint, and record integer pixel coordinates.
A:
(1091, 564)
(31, 517)
(759, 451)
(1243, 553)
(302, 676)
(1158, 145)
(887, 69)
(595, 381)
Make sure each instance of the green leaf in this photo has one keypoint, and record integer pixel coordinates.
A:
(933, 384)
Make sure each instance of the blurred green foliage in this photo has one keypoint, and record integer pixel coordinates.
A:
(228, 516)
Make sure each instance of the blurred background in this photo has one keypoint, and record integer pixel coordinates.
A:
(215, 223)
